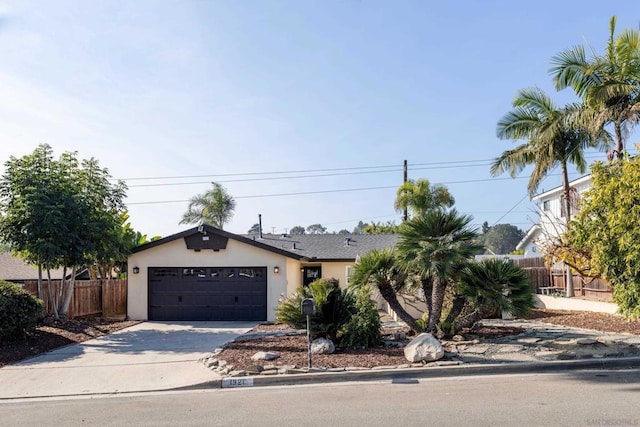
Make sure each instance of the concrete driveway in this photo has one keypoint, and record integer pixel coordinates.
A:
(144, 357)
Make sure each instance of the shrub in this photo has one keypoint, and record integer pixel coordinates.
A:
(333, 309)
(363, 329)
(19, 311)
(346, 318)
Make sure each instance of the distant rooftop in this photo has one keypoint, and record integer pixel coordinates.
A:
(328, 246)
(14, 269)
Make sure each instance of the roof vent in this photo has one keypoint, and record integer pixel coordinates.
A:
(347, 240)
(284, 235)
(294, 246)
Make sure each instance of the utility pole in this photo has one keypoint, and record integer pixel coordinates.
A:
(405, 215)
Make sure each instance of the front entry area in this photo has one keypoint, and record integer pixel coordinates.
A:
(207, 293)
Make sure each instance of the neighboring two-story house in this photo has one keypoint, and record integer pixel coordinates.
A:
(553, 216)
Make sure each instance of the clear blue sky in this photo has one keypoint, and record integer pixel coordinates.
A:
(204, 89)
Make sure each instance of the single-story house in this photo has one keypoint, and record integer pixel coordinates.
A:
(205, 273)
(15, 269)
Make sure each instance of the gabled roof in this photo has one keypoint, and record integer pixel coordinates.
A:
(531, 235)
(555, 190)
(207, 229)
(330, 247)
(306, 247)
(14, 269)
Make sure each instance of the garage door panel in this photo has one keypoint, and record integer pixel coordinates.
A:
(214, 293)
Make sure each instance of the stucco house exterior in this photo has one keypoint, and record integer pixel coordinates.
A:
(205, 273)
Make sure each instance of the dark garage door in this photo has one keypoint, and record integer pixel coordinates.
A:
(213, 293)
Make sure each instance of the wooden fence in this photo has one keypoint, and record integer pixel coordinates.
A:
(106, 298)
(546, 280)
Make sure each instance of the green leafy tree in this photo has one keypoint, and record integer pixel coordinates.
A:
(316, 229)
(215, 208)
(298, 230)
(553, 137)
(389, 227)
(379, 270)
(115, 248)
(59, 213)
(604, 238)
(502, 238)
(360, 227)
(435, 247)
(420, 196)
(609, 84)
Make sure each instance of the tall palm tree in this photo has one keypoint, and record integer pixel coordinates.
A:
(435, 246)
(609, 84)
(215, 207)
(378, 269)
(420, 196)
(553, 137)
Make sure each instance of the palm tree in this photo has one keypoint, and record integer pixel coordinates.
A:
(493, 286)
(552, 137)
(420, 196)
(215, 207)
(609, 84)
(434, 247)
(378, 269)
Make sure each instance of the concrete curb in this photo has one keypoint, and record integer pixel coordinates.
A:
(407, 375)
(414, 373)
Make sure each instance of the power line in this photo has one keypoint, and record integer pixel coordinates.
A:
(256, 196)
(390, 168)
(167, 184)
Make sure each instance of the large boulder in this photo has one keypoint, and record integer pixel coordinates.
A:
(322, 346)
(424, 347)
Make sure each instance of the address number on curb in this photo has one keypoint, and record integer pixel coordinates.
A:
(237, 382)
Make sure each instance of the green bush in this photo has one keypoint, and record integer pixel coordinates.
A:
(19, 311)
(333, 309)
(348, 319)
(363, 329)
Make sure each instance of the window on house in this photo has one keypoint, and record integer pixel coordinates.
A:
(546, 206)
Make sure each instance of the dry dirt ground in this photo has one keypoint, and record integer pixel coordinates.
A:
(292, 350)
(58, 334)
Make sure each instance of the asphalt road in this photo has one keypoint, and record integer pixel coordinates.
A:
(573, 398)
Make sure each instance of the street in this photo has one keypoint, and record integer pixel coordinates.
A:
(571, 398)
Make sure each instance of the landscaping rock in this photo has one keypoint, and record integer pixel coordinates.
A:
(211, 363)
(264, 355)
(424, 347)
(322, 346)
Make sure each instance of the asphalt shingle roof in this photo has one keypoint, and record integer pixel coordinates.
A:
(329, 246)
(14, 269)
